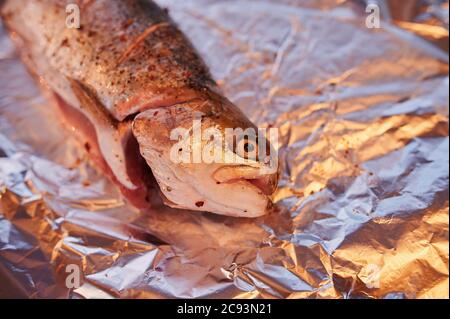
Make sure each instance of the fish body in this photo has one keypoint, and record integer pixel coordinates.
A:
(124, 78)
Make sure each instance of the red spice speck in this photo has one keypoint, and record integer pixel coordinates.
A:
(199, 203)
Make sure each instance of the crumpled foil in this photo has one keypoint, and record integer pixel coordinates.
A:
(362, 205)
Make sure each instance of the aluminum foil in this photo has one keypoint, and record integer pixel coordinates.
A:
(362, 206)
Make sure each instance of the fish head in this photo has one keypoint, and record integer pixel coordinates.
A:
(207, 156)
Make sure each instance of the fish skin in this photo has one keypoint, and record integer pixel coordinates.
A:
(126, 58)
(154, 73)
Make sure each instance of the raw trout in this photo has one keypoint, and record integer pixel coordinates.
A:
(124, 79)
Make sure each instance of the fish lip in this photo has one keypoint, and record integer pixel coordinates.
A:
(272, 179)
(266, 191)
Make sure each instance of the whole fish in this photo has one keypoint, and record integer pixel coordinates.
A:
(124, 79)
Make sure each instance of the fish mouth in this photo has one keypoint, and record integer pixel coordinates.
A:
(265, 182)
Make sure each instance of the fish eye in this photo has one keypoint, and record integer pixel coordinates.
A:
(247, 147)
